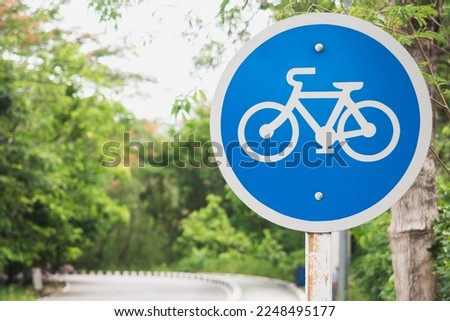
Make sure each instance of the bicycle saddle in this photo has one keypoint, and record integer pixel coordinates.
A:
(354, 85)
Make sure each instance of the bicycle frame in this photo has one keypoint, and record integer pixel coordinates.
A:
(325, 135)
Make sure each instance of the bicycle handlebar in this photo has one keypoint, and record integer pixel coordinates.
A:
(299, 71)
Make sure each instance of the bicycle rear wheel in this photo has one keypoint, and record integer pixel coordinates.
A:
(254, 148)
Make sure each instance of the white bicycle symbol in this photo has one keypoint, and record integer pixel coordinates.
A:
(325, 135)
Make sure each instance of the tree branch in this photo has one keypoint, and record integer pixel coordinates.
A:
(433, 151)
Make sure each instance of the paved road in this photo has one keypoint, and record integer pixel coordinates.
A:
(173, 287)
(137, 288)
(255, 288)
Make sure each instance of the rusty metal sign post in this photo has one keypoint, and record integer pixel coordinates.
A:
(318, 267)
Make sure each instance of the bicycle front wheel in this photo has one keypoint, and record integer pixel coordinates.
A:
(381, 143)
(271, 148)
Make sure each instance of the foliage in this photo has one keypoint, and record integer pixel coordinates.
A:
(442, 253)
(233, 15)
(16, 293)
(199, 178)
(371, 276)
(416, 19)
(54, 118)
(442, 146)
(209, 242)
(210, 55)
(137, 244)
(209, 229)
(170, 175)
(441, 250)
(111, 9)
(184, 103)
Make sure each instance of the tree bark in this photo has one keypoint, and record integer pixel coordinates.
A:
(411, 236)
(411, 233)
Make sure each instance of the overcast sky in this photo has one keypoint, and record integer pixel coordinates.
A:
(155, 31)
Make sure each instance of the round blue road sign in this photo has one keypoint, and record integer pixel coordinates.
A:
(321, 122)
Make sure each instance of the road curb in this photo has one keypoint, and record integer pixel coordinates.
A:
(233, 290)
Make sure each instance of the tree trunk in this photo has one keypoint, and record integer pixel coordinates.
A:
(411, 233)
(411, 236)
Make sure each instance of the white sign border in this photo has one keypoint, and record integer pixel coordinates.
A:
(418, 158)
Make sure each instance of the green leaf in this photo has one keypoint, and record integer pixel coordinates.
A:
(222, 10)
